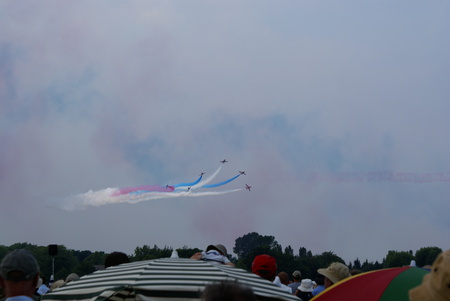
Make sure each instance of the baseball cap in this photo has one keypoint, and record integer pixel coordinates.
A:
(335, 272)
(264, 266)
(218, 247)
(297, 274)
(20, 261)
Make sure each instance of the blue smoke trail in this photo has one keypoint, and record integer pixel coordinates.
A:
(221, 183)
(189, 184)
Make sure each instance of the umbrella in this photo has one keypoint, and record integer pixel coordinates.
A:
(385, 284)
(162, 279)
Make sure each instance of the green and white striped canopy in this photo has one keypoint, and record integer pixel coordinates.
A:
(162, 279)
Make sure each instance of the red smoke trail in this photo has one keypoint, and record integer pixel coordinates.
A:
(383, 176)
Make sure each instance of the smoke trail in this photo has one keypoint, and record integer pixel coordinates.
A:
(189, 184)
(143, 188)
(221, 183)
(143, 193)
(202, 183)
(381, 176)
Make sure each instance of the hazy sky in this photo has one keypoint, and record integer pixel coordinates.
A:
(98, 94)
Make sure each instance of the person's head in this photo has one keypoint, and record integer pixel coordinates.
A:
(19, 273)
(57, 284)
(297, 275)
(116, 258)
(72, 277)
(265, 266)
(319, 279)
(334, 273)
(284, 278)
(355, 272)
(220, 248)
(228, 291)
(436, 284)
(306, 286)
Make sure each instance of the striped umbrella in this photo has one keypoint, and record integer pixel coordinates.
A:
(386, 284)
(162, 279)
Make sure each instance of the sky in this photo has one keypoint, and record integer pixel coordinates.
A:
(336, 110)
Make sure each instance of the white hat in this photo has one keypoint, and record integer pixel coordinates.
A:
(306, 285)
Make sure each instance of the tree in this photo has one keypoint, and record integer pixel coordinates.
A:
(147, 253)
(81, 255)
(302, 252)
(289, 251)
(247, 248)
(356, 264)
(186, 252)
(245, 244)
(246, 261)
(398, 259)
(326, 258)
(427, 255)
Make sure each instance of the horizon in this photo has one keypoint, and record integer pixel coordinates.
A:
(231, 252)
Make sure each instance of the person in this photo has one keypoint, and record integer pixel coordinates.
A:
(282, 280)
(265, 266)
(116, 258)
(42, 287)
(304, 291)
(72, 277)
(319, 285)
(228, 291)
(354, 272)
(297, 278)
(214, 253)
(334, 273)
(435, 285)
(19, 275)
(57, 284)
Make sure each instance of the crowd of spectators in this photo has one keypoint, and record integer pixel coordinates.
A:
(20, 279)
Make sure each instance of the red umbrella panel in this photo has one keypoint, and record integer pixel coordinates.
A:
(386, 284)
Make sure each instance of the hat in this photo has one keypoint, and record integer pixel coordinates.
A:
(434, 284)
(218, 247)
(306, 286)
(21, 261)
(72, 277)
(264, 266)
(297, 274)
(57, 284)
(335, 272)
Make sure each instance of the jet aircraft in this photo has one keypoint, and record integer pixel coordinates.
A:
(224, 161)
(242, 172)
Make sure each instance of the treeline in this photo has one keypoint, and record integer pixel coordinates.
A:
(246, 248)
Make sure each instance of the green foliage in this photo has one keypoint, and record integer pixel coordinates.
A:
(251, 245)
(365, 266)
(247, 243)
(186, 252)
(396, 259)
(357, 264)
(427, 255)
(147, 253)
(246, 248)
